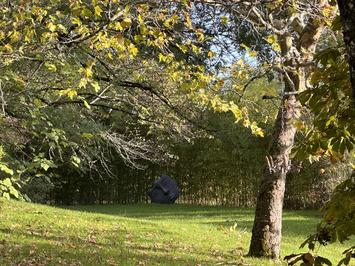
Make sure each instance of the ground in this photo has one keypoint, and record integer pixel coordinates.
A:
(144, 234)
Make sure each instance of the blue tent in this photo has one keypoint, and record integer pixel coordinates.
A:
(164, 190)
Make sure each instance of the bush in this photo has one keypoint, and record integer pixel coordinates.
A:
(39, 190)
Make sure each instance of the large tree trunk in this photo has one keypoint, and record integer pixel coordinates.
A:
(266, 235)
(347, 13)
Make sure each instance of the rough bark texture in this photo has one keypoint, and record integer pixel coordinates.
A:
(266, 234)
(347, 14)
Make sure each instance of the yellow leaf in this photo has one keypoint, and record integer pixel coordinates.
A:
(224, 20)
(83, 82)
(72, 93)
(118, 26)
(276, 47)
(132, 50)
(271, 39)
(87, 71)
(182, 47)
(253, 53)
(246, 123)
(126, 23)
(140, 19)
(8, 47)
(168, 23)
(76, 21)
(68, 92)
(15, 36)
(95, 85)
(236, 111)
(188, 22)
(51, 67)
(200, 35)
(98, 11)
(244, 46)
(86, 104)
(7, 170)
(162, 58)
(257, 131)
(195, 49)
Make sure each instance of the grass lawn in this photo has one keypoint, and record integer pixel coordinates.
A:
(32, 234)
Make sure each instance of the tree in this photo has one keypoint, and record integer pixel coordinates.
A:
(332, 105)
(291, 30)
(88, 62)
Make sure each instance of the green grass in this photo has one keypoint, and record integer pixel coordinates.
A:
(32, 234)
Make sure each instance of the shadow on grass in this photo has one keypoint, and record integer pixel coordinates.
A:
(50, 254)
(295, 223)
(290, 228)
(162, 211)
(52, 250)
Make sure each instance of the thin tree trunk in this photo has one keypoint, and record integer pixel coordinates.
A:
(347, 14)
(266, 235)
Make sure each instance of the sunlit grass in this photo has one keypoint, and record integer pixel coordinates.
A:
(33, 234)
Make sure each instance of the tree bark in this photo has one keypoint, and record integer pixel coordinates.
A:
(347, 14)
(266, 234)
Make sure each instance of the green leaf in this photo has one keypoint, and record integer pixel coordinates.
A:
(14, 192)
(45, 166)
(6, 169)
(86, 104)
(75, 160)
(2, 152)
(6, 182)
(37, 102)
(87, 135)
(6, 195)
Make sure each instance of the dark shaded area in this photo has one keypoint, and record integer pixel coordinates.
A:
(347, 9)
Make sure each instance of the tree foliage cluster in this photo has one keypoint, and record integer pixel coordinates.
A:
(73, 90)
